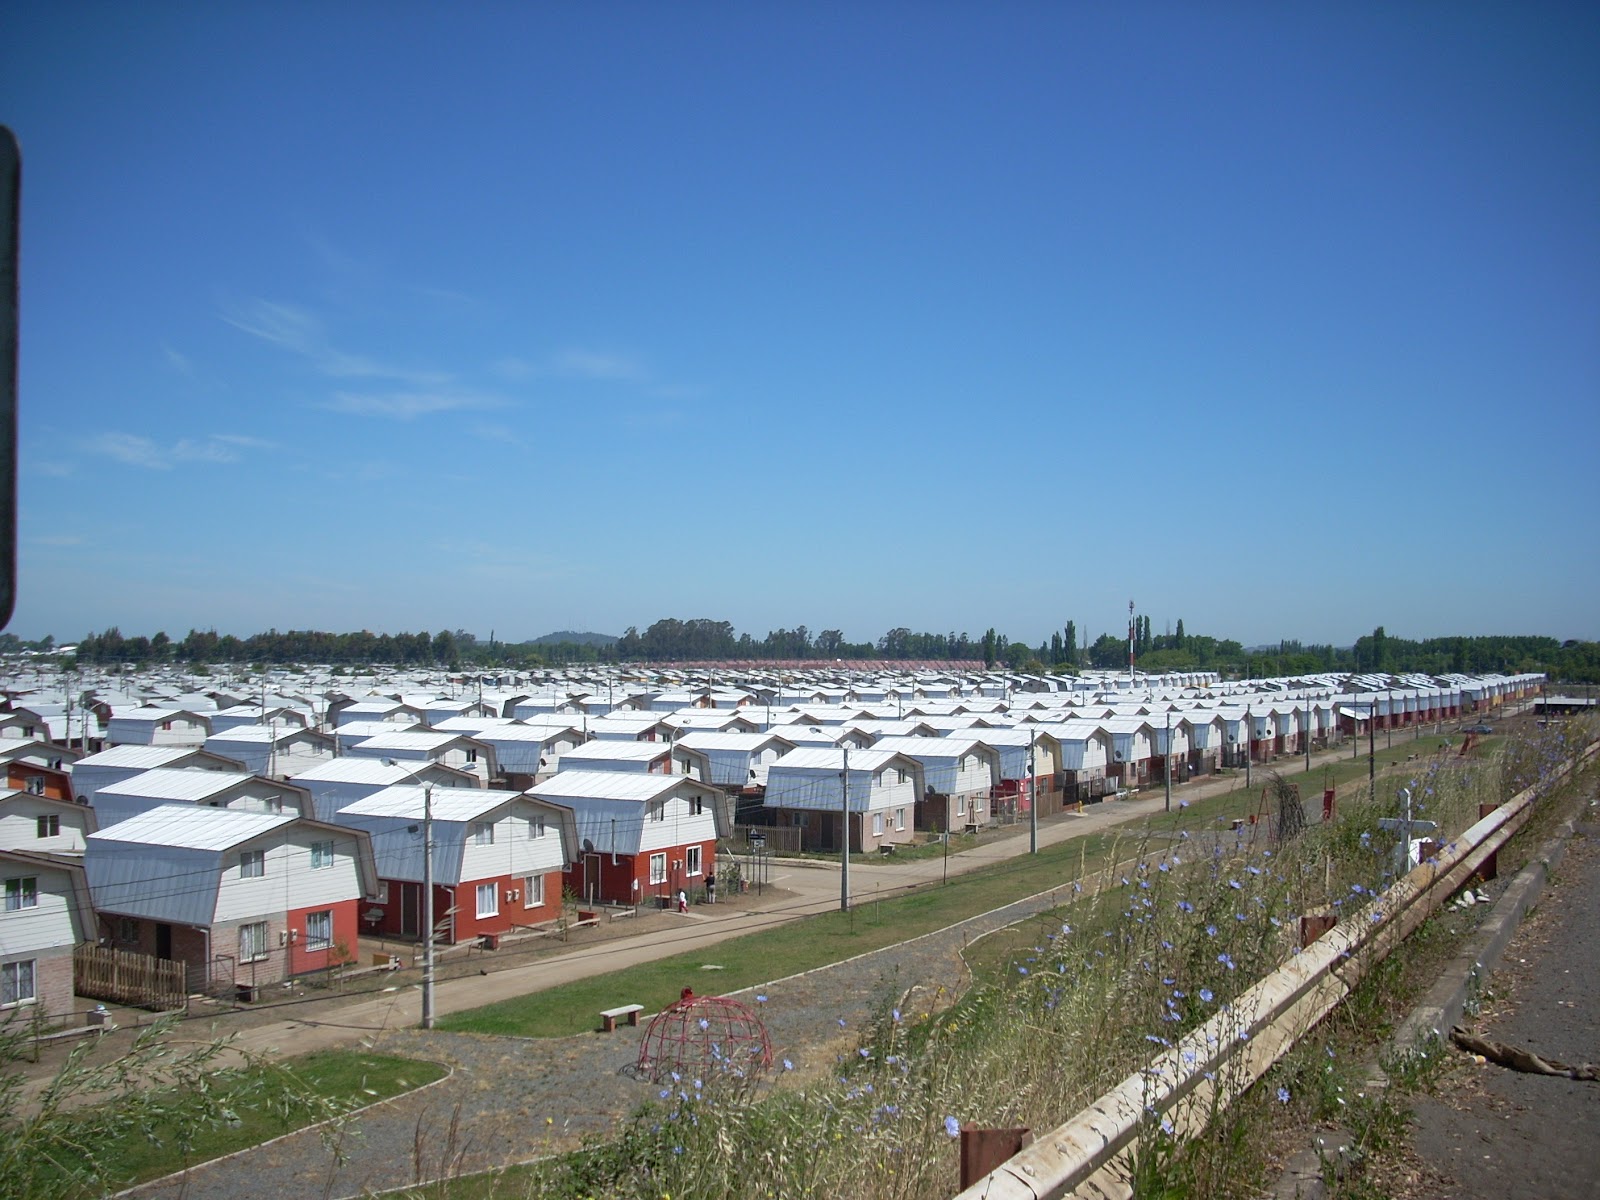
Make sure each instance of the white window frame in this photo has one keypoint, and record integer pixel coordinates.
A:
(492, 892)
(322, 855)
(658, 868)
(252, 864)
(253, 941)
(22, 891)
(35, 785)
(961, 804)
(533, 891)
(536, 827)
(319, 930)
(899, 818)
(483, 833)
(691, 860)
(12, 978)
(877, 824)
(658, 811)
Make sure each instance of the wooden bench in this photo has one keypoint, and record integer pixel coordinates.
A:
(608, 1016)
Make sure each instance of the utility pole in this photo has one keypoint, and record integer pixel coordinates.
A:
(1033, 796)
(1372, 745)
(844, 826)
(427, 906)
(1168, 752)
(1130, 646)
(1249, 744)
(1308, 734)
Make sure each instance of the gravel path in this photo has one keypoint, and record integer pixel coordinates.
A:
(510, 1099)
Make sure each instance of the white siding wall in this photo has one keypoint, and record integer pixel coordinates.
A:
(289, 880)
(19, 828)
(45, 927)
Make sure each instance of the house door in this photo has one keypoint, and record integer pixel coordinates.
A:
(591, 878)
(164, 942)
(410, 902)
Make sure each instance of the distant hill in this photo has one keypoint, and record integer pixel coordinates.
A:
(576, 639)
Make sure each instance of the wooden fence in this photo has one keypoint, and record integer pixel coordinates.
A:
(128, 977)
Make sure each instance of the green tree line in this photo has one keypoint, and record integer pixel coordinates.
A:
(705, 640)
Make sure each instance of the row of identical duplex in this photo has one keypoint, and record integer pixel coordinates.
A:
(266, 852)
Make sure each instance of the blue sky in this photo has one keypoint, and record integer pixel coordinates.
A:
(1282, 319)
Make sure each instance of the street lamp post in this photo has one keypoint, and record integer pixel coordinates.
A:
(427, 892)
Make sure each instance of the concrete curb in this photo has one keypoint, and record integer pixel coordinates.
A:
(1447, 1001)
(1443, 1006)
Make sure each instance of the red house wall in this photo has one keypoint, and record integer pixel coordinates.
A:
(342, 948)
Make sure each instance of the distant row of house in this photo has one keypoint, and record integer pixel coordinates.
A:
(248, 852)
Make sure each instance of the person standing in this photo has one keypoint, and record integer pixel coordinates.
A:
(711, 889)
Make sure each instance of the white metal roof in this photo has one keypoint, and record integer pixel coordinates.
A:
(176, 783)
(143, 757)
(407, 801)
(353, 770)
(619, 751)
(193, 827)
(610, 785)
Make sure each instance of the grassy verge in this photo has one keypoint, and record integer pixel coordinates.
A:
(825, 939)
(244, 1107)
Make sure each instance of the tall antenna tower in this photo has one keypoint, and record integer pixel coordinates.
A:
(1130, 644)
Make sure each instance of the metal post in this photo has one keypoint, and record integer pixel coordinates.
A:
(1249, 743)
(844, 823)
(1307, 734)
(1168, 771)
(1372, 746)
(427, 906)
(1033, 795)
(1388, 720)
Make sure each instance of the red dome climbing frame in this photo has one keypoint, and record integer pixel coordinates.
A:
(699, 1034)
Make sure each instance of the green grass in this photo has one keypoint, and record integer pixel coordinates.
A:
(825, 939)
(778, 952)
(265, 1109)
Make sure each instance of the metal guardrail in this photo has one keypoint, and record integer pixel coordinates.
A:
(1087, 1157)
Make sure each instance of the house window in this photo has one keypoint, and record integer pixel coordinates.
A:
(483, 833)
(472, 756)
(253, 942)
(658, 868)
(488, 900)
(16, 983)
(381, 896)
(533, 891)
(22, 892)
(961, 806)
(252, 864)
(36, 784)
(319, 930)
(692, 860)
(127, 930)
(877, 824)
(904, 778)
(321, 855)
(536, 827)
(658, 812)
(697, 806)
(49, 826)
(899, 818)
(166, 725)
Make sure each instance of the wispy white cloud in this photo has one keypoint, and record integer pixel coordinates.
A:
(50, 468)
(408, 406)
(491, 432)
(300, 332)
(136, 450)
(56, 539)
(179, 362)
(594, 364)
